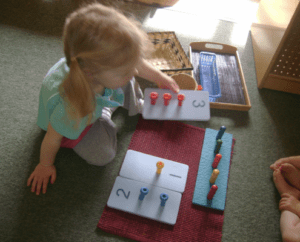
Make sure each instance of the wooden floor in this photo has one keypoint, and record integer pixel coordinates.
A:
(238, 11)
(275, 13)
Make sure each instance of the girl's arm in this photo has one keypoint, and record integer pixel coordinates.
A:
(45, 169)
(150, 73)
(50, 146)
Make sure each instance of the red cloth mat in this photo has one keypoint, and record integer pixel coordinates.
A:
(178, 142)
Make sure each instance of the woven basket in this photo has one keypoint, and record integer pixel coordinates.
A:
(169, 55)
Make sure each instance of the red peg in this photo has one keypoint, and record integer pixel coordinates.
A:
(212, 192)
(180, 98)
(216, 161)
(167, 98)
(153, 96)
(199, 88)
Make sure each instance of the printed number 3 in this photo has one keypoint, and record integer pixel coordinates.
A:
(127, 196)
(198, 105)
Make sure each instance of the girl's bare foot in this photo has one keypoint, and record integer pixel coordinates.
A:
(276, 165)
(294, 160)
(291, 174)
(290, 203)
(282, 186)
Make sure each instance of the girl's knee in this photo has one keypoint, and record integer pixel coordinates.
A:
(99, 155)
(103, 158)
(99, 146)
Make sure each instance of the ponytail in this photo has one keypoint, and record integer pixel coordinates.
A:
(78, 94)
(97, 38)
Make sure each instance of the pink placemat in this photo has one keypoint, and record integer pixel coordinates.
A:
(178, 142)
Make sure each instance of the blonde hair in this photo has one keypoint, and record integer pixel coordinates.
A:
(97, 38)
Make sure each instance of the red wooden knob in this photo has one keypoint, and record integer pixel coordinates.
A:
(167, 98)
(153, 96)
(180, 98)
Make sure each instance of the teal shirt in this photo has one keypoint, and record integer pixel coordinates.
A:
(52, 105)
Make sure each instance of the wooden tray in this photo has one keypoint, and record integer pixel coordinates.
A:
(233, 86)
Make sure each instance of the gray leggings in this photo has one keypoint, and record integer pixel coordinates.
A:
(99, 145)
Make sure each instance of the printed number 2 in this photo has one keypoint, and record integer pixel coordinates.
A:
(127, 196)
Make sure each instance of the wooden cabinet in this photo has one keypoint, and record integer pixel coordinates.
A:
(276, 45)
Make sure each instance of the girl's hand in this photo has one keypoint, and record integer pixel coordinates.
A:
(167, 83)
(150, 73)
(40, 177)
(290, 203)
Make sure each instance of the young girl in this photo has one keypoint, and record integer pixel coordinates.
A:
(103, 51)
(286, 177)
